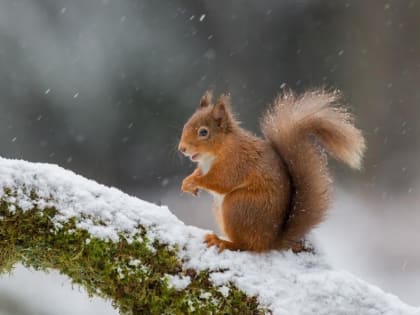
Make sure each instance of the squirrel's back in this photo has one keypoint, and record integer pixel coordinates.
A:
(299, 128)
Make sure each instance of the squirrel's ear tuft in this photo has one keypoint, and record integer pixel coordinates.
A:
(221, 110)
(206, 99)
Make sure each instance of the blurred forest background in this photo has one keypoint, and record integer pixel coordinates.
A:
(103, 88)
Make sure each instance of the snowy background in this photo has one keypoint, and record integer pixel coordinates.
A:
(103, 88)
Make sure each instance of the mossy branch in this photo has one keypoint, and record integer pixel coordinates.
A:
(146, 261)
(132, 271)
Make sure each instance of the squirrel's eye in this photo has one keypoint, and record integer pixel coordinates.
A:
(203, 132)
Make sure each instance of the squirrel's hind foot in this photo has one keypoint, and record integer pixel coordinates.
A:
(302, 246)
(212, 239)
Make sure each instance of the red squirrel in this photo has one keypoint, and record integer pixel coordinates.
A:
(269, 192)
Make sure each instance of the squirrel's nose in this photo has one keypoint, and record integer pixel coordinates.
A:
(182, 148)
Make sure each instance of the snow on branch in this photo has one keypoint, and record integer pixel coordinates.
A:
(146, 261)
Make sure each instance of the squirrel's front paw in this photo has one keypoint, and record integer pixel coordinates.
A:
(188, 185)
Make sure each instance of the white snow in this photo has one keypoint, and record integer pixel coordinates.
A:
(224, 290)
(282, 281)
(178, 282)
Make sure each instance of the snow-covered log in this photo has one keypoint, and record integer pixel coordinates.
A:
(146, 261)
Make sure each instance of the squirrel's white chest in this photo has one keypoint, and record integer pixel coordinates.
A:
(205, 164)
(217, 210)
(217, 200)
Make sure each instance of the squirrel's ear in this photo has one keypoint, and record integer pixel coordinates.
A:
(206, 99)
(221, 110)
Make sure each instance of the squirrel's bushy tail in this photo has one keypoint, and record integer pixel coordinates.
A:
(297, 126)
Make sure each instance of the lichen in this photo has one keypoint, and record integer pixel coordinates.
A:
(131, 272)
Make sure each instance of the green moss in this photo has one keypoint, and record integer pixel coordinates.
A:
(130, 273)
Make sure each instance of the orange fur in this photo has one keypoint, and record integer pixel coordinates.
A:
(269, 192)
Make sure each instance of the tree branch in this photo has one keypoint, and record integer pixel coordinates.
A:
(146, 261)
